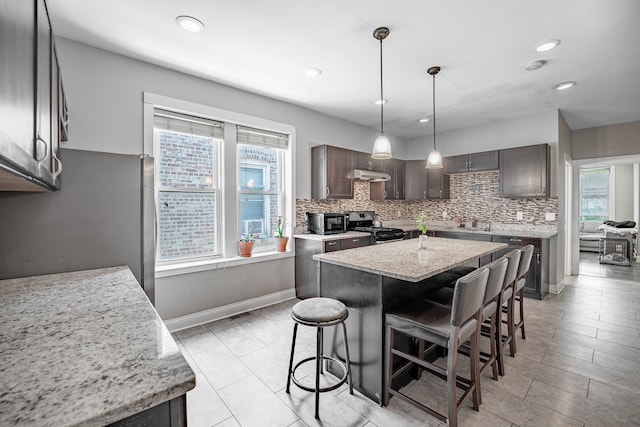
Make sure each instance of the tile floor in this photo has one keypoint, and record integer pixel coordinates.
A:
(579, 366)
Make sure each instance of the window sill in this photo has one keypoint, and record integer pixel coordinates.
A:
(169, 270)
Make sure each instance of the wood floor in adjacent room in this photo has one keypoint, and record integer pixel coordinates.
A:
(579, 366)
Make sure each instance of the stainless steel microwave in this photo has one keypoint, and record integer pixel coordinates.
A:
(327, 223)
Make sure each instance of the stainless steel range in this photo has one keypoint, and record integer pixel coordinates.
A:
(363, 221)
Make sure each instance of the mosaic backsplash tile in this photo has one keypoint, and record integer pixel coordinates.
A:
(474, 197)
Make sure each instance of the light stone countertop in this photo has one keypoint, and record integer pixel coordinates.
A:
(517, 232)
(402, 260)
(84, 348)
(328, 237)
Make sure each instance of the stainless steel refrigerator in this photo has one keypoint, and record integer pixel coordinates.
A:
(103, 216)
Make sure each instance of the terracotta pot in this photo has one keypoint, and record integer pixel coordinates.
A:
(246, 248)
(281, 244)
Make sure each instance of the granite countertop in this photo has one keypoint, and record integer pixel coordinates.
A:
(402, 260)
(325, 238)
(517, 232)
(84, 348)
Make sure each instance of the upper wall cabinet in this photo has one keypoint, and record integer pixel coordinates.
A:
(331, 172)
(475, 162)
(392, 189)
(30, 96)
(524, 171)
(423, 184)
(365, 162)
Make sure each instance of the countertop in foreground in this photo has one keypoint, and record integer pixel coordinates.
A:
(403, 260)
(84, 348)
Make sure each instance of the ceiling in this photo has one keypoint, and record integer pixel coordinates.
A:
(482, 46)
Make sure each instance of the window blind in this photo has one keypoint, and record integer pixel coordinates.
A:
(262, 137)
(184, 123)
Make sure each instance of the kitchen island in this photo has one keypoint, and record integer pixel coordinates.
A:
(87, 348)
(371, 279)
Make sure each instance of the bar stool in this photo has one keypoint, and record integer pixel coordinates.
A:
(518, 296)
(320, 312)
(443, 326)
(506, 293)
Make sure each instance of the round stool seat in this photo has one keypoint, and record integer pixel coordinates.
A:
(319, 310)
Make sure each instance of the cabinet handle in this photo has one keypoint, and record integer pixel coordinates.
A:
(332, 243)
(385, 194)
(397, 194)
(538, 257)
(370, 165)
(327, 191)
(441, 194)
(56, 170)
(355, 240)
(466, 165)
(46, 150)
(516, 240)
(424, 194)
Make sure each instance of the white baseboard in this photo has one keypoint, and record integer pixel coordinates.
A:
(556, 289)
(206, 316)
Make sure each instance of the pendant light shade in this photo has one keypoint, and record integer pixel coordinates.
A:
(434, 160)
(382, 146)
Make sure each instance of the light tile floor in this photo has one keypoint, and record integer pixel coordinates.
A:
(579, 366)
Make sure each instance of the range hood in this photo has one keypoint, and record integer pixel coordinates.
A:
(371, 175)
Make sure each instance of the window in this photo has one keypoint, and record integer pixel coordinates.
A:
(219, 175)
(260, 163)
(188, 185)
(594, 194)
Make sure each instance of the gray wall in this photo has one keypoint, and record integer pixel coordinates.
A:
(606, 141)
(564, 155)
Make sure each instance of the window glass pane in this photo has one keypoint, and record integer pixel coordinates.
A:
(259, 168)
(594, 196)
(187, 225)
(259, 218)
(186, 161)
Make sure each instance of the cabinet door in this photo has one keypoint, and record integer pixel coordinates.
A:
(365, 162)
(354, 242)
(437, 184)
(43, 90)
(331, 171)
(533, 283)
(399, 179)
(415, 179)
(488, 160)
(56, 163)
(394, 188)
(524, 171)
(455, 164)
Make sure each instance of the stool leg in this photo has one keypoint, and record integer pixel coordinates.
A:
(498, 340)
(511, 325)
(346, 352)
(318, 364)
(323, 365)
(452, 399)
(293, 346)
(492, 342)
(522, 313)
(388, 361)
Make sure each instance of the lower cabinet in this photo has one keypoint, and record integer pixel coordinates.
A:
(169, 414)
(537, 283)
(306, 274)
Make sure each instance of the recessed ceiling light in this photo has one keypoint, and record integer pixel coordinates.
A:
(548, 45)
(312, 72)
(189, 23)
(381, 101)
(425, 120)
(564, 85)
(534, 65)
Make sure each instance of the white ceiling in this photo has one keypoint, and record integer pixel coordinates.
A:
(482, 46)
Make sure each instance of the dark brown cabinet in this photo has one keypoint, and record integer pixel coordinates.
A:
(331, 172)
(29, 99)
(394, 188)
(423, 184)
(475, 162)
(306, 269)
(537, 284)
(524, 171)
(365, 162)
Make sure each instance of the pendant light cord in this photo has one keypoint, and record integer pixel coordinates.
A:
(381, 94)
(434, 111)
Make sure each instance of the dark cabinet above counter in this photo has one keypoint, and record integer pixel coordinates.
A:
(475, 162)
(332, 172)
(425, 184)
(525, 171)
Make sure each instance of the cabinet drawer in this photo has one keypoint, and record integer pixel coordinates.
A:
(354, 242)
(518, 242)
(332, 245)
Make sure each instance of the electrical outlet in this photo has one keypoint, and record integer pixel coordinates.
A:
(519, 215)
(444, 214)
(550, 216)
(399, 213)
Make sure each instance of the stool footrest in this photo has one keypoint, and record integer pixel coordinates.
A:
(322, 389)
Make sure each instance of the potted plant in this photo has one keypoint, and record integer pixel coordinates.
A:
(421, 223)
(280, 239)
(246, 245)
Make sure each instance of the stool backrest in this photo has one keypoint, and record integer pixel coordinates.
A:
(512, 269)
(468, 295)
(497, 271)
(525, 260)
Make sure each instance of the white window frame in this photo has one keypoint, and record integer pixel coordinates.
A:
(229, 206)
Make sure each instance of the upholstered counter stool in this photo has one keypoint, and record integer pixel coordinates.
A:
(320, 312)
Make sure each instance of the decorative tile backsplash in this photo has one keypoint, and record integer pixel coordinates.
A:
(474, 196)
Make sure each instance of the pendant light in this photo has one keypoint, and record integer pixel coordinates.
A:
(434, 160)
(382, 146)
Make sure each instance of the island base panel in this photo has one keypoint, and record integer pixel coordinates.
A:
(168, 414)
